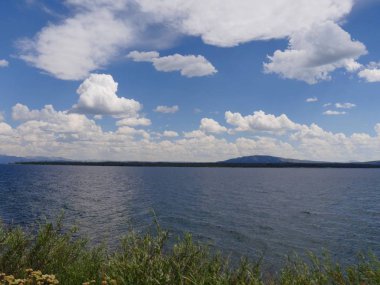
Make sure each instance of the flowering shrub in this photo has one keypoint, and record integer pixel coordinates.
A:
(147, 259)
(32, 278)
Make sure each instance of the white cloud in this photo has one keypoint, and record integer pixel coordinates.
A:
(327, 105)
(22, 113)
(317, 47)
(371, 73)
(128, 131)
(48, 120)
(211, 126)
(187, 65)
(5, 129)
(4, 63)
(377, 129)
(334, 113)
(228, 23)
(170, 134)
(134, 122)
(49, 132)
(98, 4)
(259, 121)
(194, 134)
(97, 32)
(318, 144)
(167, 109)
(143, 56)
(345, 105)
(352, 66)
(315, 52)
(97, 96)
(311, 100)
(80, 44)
(265, 145)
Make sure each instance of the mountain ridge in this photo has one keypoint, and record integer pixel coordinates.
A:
(267, 159)
(243, 161)
(8, 159)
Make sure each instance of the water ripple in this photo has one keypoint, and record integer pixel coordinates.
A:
(238, 211)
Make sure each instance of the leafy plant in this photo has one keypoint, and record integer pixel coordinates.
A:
(151, 258)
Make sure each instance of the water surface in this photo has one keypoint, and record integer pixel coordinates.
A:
(239, 211)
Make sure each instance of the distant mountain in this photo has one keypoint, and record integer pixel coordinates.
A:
(266, 159)
(6, 159)
(245, 161)
(373, 162)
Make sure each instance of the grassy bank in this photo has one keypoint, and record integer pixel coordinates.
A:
(50, 255)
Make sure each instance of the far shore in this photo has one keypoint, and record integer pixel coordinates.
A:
(206, 164)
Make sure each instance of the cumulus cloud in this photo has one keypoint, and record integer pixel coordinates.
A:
(353, 66)
(47, 131)
(345, 105)
(4, 63)
(132, 132)
(114, 5)
(187, 65)
(333, 113)
(21, 112)
(211, 126)
(5, 129)
(311, 100)
(228, 23)
(134, 122)
(313, 141)
(52, 122)
(97, 32)
(167, 109)
(377, 129)
(143, 56)
(170, 134)
(317, 44)
(194, 134)
(371, 73)
(265, 145)
(260, 121)
(315, 52)
(97, 96)
(80, 44)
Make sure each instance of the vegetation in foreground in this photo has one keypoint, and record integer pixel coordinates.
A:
(54, 256)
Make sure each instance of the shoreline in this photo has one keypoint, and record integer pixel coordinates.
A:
(203, 164)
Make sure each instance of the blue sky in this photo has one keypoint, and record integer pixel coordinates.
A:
(232, 78)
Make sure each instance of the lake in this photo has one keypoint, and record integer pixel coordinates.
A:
(238, 211)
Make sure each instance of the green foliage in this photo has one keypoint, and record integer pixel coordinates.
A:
(50, 250)
(323, 271)
(148, 259)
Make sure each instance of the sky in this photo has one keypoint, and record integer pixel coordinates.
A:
(190, 80)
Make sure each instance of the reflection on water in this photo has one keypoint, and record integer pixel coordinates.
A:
(240, 211)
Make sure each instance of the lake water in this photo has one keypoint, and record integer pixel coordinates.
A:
(239, 211)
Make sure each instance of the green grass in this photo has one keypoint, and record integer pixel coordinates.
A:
(150, 259)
